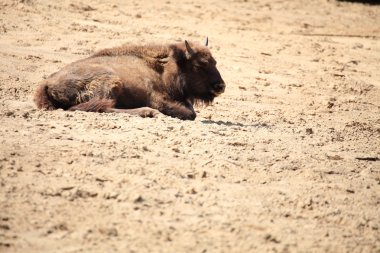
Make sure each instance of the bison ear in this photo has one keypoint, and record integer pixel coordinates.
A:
(206, 42)
(189, 50)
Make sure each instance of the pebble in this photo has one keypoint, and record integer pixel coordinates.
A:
(109, 231)
(138, 199)
(111, 195)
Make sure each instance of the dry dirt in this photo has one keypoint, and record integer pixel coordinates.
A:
(271, 166)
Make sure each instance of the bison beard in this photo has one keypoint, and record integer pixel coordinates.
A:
(140, 80)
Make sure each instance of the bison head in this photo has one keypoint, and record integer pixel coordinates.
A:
(203, 80)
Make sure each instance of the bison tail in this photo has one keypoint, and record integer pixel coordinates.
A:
(42, 99)
(95, 105)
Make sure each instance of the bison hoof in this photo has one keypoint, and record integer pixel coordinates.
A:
(147, 112)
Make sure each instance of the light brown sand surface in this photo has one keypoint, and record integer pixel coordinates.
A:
(271, 166)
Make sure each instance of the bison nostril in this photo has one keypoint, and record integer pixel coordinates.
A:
(219, 87)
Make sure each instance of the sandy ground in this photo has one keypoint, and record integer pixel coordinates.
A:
(271, 166)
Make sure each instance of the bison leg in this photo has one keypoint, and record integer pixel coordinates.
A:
(184, 111)
(108, 105)
(42, 99)
(142, 112)
(94, 105)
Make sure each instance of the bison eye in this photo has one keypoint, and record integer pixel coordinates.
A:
(200, 70)
(200, 66)
(203, 64)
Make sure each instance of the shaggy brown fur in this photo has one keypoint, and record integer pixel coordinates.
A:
(141, 80)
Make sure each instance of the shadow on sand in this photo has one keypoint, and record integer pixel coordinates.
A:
(229, 123)
(371, 2)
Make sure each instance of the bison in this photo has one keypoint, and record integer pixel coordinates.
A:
(135, 79)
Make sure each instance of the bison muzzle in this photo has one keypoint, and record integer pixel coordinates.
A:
(140, 80)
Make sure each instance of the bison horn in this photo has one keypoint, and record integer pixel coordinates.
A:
(206, 42)
(163, 60)
(189, 50)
